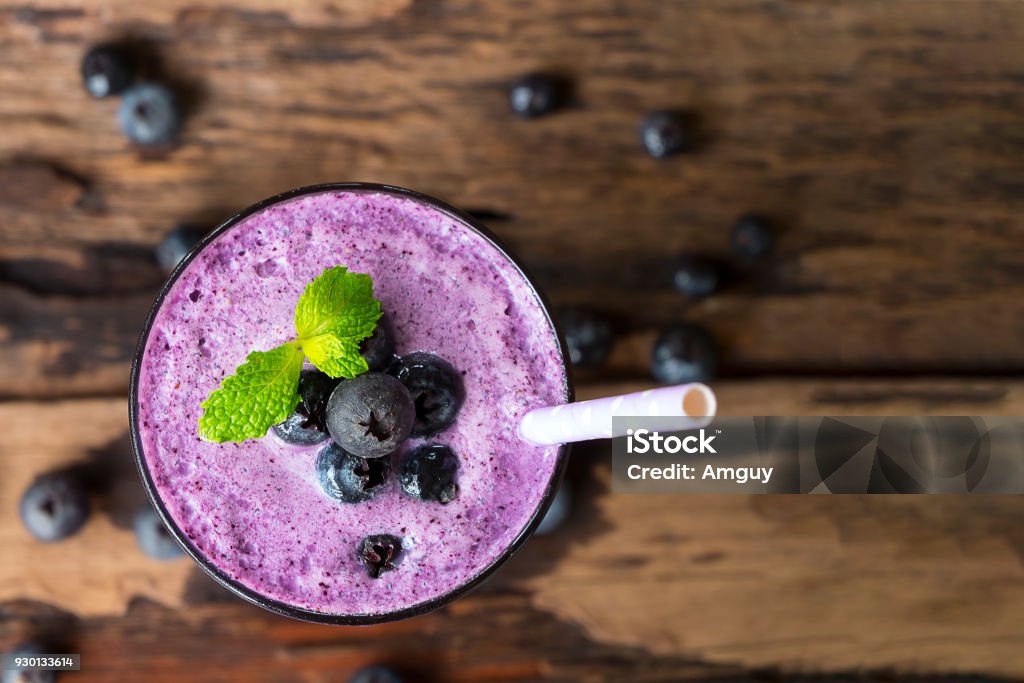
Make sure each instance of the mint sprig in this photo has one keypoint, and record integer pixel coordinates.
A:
(334, 314)
(262, 392)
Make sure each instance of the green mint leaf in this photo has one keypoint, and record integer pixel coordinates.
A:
(335, 356)
(262, 392)
(336, 312)
(340, 303)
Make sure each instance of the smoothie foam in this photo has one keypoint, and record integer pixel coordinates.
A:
(255, 509)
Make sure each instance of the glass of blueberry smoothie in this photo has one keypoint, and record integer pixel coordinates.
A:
(399, 346)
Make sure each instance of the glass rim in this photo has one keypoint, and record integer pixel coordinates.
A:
(200, 558)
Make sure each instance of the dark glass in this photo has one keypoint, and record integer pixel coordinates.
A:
(247, 593)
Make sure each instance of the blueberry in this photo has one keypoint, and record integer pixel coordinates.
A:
(695, 276)
(665, 133)
(379, 553)
(176, 245)
(20, 675)
(588, 335)
(428, 473)
(685, 353)
(375, 674)
(307, 425)
(149, 114)
(436, 389)
(379, 348)
(558, 512)
(153, 537)
(369, 416)
(106, 70)
(299, 431)
(535, 95)
(349, 478)
(55, 506)
(752, 236)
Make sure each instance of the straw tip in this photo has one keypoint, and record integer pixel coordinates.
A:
(699, 400)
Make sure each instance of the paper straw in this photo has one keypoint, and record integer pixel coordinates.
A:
(694, 404)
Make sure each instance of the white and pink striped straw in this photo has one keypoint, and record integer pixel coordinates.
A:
(694, 405)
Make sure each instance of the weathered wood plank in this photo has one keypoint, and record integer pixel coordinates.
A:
(493, 637)
(913, 583)
(883, 136)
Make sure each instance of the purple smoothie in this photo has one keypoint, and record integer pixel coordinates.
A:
(255, 510)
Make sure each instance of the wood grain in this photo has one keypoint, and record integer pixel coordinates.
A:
(912, 583)
(884, 137)
(493, 637)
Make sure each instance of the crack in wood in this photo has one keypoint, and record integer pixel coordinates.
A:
(109, 269)
(40, 186)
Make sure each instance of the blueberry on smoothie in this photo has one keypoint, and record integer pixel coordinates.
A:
(588, 335)
(299, 430)
(149, 114)
(378, 553)
(379, 348)
(535, 95)
(428, 473)
(106, 70)
(665, 133)
(695, 276)
(54, 507)
(752, 236)
(376, 674)
(349, 478)
(153, 537)
(369, 416)
(307, 425)
(436, 389)
(685, 353)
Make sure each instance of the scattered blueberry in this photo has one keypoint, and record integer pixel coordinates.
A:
(349, 478)
(106, 70)
(307, 425)
(428, 473)
(665, 133)
(685, 353)
(153, 537)
(149, 114)
(19, 675)
(752, 236)
(588, 335)
(176, 245)
(379, 348)
(379, 552)
(695, 276)
(55, 506)
(436, 389)
(376, 674)
(369, 416)
(535, 95)
(558, 512)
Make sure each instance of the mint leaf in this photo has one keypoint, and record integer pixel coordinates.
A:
(340, 303)
(336, 312)
(262, 392)
(335, 356)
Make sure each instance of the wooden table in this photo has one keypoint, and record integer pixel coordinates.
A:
(886, 137)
